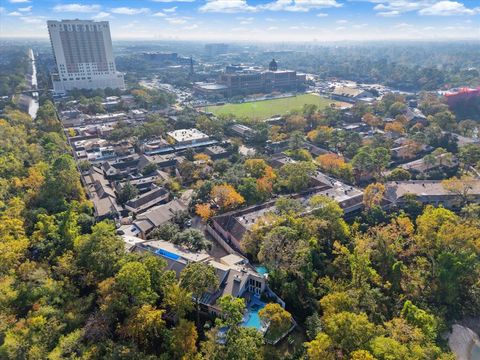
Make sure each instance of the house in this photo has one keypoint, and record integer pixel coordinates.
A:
(216, 152)
(141, 203)
(242, 131)
(415, 116)
(431, 192)
(156, 146)
(421, 166)
(235, 276)
(157, 216)
(101, 194)
(121, 168)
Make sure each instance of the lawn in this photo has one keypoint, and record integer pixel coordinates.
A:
(267, 108)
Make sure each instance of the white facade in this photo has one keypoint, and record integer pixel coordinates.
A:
(83, 55)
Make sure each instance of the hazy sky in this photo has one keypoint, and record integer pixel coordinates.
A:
(253, 20)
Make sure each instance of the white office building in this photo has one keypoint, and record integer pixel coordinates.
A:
(84, 55)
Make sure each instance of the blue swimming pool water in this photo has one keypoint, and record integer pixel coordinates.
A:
(252, 318)
(262, 270)
(167, 254)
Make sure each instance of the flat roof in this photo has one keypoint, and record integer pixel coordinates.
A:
(187, 135)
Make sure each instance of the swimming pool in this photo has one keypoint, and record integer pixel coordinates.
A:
(167, 254)
(262, 270)
(252, 319)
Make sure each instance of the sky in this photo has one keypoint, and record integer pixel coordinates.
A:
(253, 20)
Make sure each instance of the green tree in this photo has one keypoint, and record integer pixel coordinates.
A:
(349, 331)
(99, 252)
(133, 280)
(232, 309)
(178, 300)
(198, 278)
(126, 193)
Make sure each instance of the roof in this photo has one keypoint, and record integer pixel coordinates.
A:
(347, 91)
(160, 214)
(424, 188)
(144, 201)
(187, 135)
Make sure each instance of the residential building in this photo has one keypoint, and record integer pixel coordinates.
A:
(235, 276)
(83, 55)
(432, 192)
(189, 138)
(232, 227)
(154, 217)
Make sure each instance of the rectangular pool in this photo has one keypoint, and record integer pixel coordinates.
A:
(167, 254)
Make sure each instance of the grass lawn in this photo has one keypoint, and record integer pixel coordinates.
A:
(265, 109)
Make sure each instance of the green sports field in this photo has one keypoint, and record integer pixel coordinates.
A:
(267, 108)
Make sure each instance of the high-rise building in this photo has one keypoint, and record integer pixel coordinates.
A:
(213, 50)
(84, 55)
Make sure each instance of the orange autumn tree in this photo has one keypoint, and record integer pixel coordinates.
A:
(336, 165)
(372, 120)
(226, 196)
(204, 211)
(396, 127)
(265, 183)
(330, 162)
(255, 167)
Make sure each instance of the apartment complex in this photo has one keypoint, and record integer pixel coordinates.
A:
(83, 55)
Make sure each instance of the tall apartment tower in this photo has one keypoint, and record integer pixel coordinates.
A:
(84, 55)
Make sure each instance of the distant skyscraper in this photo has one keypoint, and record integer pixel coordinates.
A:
(213, 50)
(84, 55)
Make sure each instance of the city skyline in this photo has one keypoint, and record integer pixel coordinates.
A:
(254, 20)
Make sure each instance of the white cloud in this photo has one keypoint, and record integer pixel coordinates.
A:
(171, 1)
(190, 27)
(130, 25)
(19, 1)
(342, 21)
(78, 8)
(177, 20)
(227, 6)
(159, 14)
(101, 15)
(448, 8)
(32, 19)
(340, 28)
(245, 20)
(389, 13)
(14, 13)
(322, 15)
(129, 11)
(300, 5)
(170, 10)
(272, 28)
(25, 9)
(423, 7)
